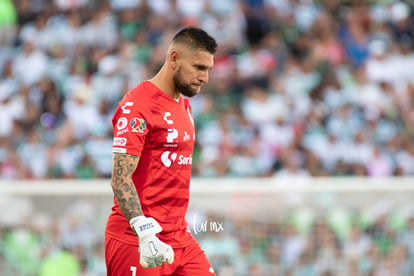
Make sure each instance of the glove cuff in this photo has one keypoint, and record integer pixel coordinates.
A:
(144, 227)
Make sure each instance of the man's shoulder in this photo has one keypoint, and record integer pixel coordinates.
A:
(143, 90)
(140, 95)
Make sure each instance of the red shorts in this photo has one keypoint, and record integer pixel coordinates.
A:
(123, 260)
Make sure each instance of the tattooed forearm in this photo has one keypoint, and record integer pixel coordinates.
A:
(124, 190)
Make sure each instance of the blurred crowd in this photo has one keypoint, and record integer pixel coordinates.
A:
(41, 237)
(368, 241)
(323, 248)
(300, 87)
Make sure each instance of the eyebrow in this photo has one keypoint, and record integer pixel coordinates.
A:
(202, 66)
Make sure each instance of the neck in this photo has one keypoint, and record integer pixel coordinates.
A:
(165, 82)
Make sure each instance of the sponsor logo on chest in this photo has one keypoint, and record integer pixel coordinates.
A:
(168, 158)
(174, 133)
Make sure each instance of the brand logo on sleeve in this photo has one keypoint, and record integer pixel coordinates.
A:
(125, 109)
(119, 150)
(138, 125)
(120, 141)
(122, 123)
(121, 126)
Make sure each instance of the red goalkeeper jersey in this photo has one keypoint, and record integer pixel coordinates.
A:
(151, 124)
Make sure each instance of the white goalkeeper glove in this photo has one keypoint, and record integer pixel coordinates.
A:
(153, 252)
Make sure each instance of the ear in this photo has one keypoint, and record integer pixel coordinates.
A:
(174, 56)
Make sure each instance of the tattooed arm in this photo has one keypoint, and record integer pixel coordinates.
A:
(124, 190)
(153, 252)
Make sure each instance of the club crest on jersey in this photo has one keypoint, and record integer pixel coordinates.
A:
(186, 136)
(138, 125)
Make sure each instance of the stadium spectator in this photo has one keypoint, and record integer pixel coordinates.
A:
(330, 59)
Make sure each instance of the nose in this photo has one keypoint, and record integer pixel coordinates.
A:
(203, 77)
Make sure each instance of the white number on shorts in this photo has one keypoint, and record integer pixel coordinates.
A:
(134, 270)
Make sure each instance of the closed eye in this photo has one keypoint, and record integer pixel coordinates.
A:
(202, 67)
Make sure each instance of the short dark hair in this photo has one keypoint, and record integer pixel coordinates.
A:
(196, 38)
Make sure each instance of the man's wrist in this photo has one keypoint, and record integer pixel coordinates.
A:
(144, 226)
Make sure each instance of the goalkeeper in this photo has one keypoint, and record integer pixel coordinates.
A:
(146, 232)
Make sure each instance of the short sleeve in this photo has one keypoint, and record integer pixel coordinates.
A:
(131, 126)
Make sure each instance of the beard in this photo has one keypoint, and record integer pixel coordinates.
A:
(185, 88)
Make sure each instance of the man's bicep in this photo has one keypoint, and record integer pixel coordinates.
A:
(124, 165)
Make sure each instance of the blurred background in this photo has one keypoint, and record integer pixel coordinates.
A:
(301, 90)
